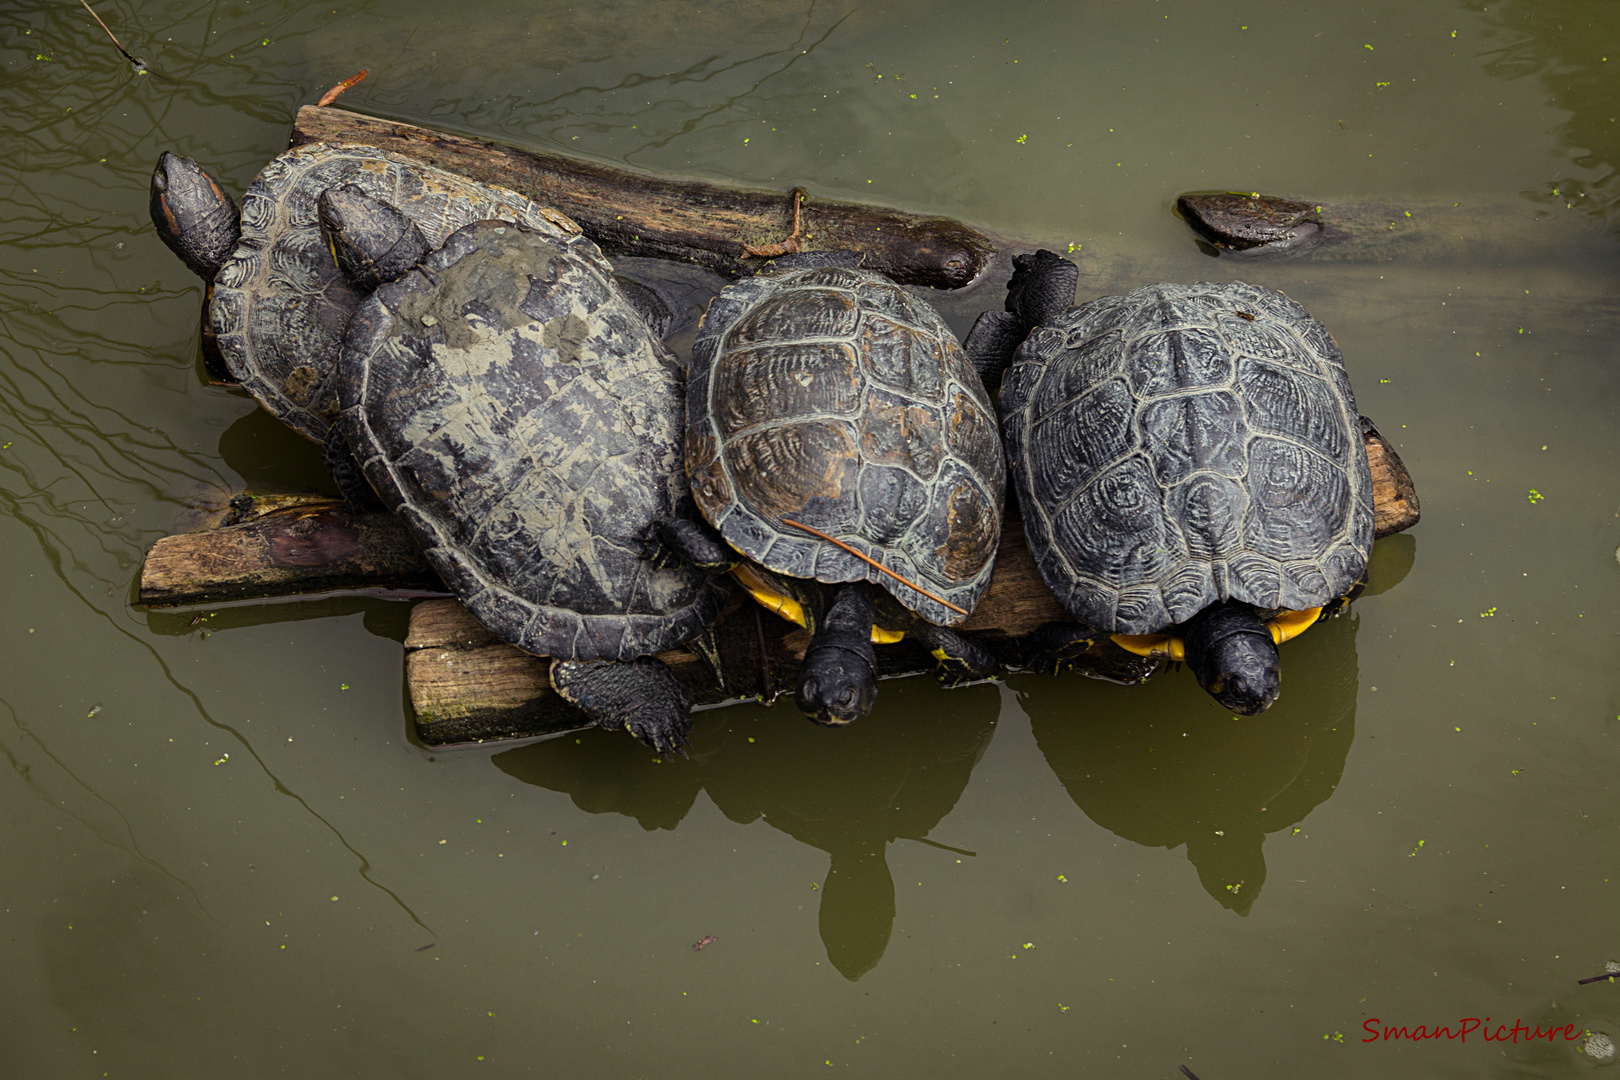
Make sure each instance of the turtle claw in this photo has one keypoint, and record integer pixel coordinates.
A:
(662, 737)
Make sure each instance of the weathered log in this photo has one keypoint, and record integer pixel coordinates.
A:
(283, 546)
(1268, 225)
(691, 220)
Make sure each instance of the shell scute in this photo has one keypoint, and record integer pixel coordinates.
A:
(1194, 433)
(1169, 362)
(803, 314)
(897, 431)
(1081, 437)
(772, 383)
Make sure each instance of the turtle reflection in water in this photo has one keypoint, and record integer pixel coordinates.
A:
(1165, 770)
(850, 797)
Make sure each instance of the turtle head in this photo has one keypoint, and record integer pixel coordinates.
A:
(193, 215)
(838, 675)
(1232, 654)
(371, 241)
(837, 686)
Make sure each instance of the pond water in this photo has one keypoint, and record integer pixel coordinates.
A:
(226, 855)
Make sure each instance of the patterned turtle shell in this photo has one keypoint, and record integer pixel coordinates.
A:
(280, 304)
(509, 404)
(833, 398)
(1183, 445)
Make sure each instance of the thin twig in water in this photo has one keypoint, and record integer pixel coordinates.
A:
(140, 65)
(767, 688)
(332, 94)
(1189, 1073)
(1599, 978)
(873, 562)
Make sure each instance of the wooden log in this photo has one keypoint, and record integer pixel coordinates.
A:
(1369, 231)
(303, 544)
(691, 220)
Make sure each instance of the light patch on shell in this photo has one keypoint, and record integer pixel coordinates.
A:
(804, 379)
(300, 381)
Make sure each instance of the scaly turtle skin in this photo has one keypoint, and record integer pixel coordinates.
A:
(512, 407)
(827, 396)
(279, 304)
(1186, 456)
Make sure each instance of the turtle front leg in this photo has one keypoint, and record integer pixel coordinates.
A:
(961, 660)
(838, 675)
(641, 696)
(1052, 648)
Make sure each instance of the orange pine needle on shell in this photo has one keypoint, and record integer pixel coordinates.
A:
(873, 562)
(332, 94)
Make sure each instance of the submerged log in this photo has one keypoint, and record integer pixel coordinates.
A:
(467, 685)
(691, 220)
(1266, 225)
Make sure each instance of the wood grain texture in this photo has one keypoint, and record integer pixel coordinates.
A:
(315, 546)
(690, 220)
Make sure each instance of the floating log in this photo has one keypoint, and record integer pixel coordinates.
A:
(467, 685)
(696, 221)
(283, 546)
(1267, 225)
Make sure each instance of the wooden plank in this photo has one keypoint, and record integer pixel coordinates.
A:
(690, 220)
(312, 546)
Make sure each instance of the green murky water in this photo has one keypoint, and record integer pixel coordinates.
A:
(219, 861)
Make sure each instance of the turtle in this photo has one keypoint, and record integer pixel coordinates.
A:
(277, 304)
(1189, 464)
(837, 438)
(507, 402)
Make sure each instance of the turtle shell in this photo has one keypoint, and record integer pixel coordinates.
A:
(1183, 445)
(280, 303)
(833, 398)
(509, 404)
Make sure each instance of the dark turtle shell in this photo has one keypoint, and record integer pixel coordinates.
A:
(280, 304)
(510, 405)
(834, 398)
(1184, 445)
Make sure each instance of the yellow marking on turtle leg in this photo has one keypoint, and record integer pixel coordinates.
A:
(790, 609)
(1291, 624)
(1285, 627)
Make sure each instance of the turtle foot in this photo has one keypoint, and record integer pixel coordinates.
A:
(1053, 648)
(958, 660)
(641, 696)
(676, 542)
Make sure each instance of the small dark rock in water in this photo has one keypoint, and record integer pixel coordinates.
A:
(704, 941)
(1238, 221)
